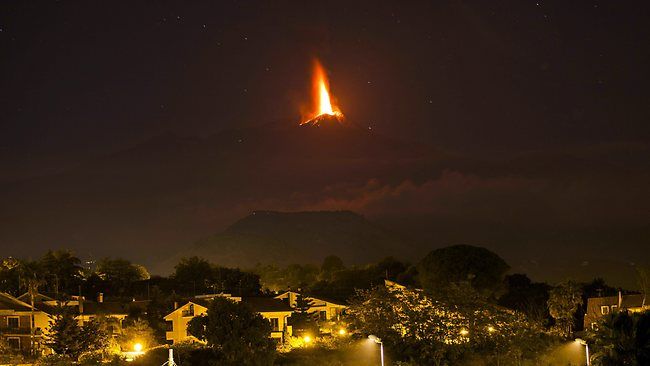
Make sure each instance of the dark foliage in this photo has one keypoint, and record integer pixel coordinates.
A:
(527, 297)
(236, 334)
(481, 268)
(200, 276)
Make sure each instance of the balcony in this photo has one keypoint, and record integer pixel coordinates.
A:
(11, 331)
(187, 313)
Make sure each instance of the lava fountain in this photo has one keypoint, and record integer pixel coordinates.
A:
(323, 108)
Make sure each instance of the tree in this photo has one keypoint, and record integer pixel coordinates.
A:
(301, 320)
(236, 334)
(195, 272)
(621, 338)
(564, 301)
(65, 336)
(137, 331)
(331, 264)
(413, 327)
(62, 270)
(481, 268)
(10, 275)
(120, 273)
(527, 297)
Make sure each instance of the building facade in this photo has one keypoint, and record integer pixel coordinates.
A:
(599, 307)
(22, 326)
(276, 312)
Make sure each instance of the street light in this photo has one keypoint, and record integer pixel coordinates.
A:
(137, 347)
(582, 342)
(377, 340)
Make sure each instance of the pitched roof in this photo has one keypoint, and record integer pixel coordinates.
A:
(8, 302)
(98, 308)
(37, 298)
(321, 298)
(266, 304)
(627, 301)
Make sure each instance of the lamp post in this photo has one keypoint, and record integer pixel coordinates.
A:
(582, 342)
(377, 340)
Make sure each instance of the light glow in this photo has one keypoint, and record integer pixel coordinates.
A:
(137, 347)
(322, 100)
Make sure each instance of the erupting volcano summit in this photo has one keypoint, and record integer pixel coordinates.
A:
(323, 109)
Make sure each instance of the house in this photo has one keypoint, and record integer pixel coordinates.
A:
(598, 307)
(17, 327)
(276, 312)
(85, 310)
(326, 311)
(323, 309)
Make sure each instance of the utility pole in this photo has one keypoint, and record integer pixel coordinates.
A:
(170, 360)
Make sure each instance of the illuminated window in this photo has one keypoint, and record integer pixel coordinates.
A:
(322, 315)
(604, 309)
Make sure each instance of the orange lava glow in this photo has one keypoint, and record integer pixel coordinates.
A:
(323, 104)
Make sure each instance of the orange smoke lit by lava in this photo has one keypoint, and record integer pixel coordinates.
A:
(322, 102)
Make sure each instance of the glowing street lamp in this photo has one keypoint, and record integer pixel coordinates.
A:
(582, 342)
(137, 347)
(307, 339)
(342, 332)
(377, 340)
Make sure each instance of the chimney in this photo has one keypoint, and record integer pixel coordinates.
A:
(81, 305)
(100, 297)
(620, 299)
(175, 305)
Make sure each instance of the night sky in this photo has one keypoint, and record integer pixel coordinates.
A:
(537, 113)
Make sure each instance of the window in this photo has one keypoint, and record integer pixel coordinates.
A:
(13, 322)
(169, 326)
(189, 311)
(604, 309)
(614, 307)
(13, 342)
(275, 324)
(322, 315)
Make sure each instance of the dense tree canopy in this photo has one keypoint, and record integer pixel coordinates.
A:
(236, 334)
(69, 339)
(202, 276)
(481, 268)
(621, 338)
(564, 301)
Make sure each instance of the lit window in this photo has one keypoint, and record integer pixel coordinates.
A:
(604, 309)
